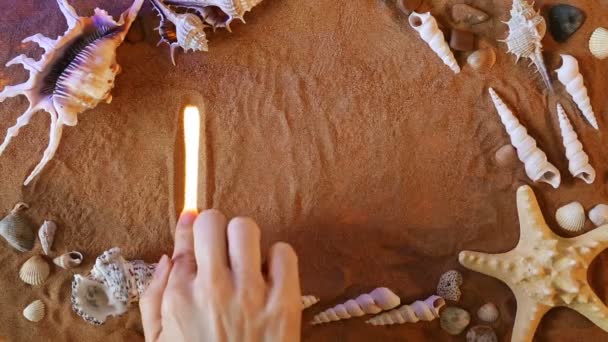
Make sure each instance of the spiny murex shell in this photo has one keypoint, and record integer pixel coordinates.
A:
(526, 30)
(34, 312)
(69, 260)
(599, 214)
(75, 73)
(17, 229)
(112, 285)
(185, 30)
(46, 234)
(218, 13)
(34, 271)
(488, 313)
(598, 43)
(571, 217)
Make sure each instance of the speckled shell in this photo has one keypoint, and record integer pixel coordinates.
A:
(598, 43)
(599, 215)
(488, 313)
(578, 160)
(308, 301)
(34, 271)
(46, 234)
(426, 25)
(69, 260)
(17, 229)
(454, 320)
(34, 312)
(571, 217)
(448, 286)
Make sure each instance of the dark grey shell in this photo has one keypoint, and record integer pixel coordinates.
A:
(18, 231)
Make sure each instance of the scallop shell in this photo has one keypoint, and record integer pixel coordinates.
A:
(46, 234)
(34, 271)
(598, 43)
(571, 217)
(482, 59)
(454, 320)
(218, 13)
(34, 312)
(75, 73)
(488, 313)
(69, 260)
(599, 215)
(17, 229)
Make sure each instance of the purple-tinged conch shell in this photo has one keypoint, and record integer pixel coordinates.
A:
(75, 73)
(217, 13)
(113, 284)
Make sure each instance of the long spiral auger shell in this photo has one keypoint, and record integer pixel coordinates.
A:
(426, 310)
(570, 76)
(426, 26)
(578, 160)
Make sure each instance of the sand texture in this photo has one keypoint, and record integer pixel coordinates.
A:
(329, 122)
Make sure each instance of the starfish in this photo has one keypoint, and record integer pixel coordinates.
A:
(544, 270)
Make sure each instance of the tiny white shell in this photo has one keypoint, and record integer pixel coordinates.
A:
(69, 260)
(598, 43)
(488, 313)
(571, 217)
(599, 214)
(34, 312)
(34, 271)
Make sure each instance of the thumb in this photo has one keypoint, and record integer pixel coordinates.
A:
(150, 302)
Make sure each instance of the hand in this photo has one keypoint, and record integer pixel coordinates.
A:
(213, 288)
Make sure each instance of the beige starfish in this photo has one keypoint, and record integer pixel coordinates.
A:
(544, 270)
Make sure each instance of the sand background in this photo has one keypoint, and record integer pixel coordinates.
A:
(329, 122)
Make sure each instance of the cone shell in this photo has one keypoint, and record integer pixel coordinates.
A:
(18, 230)
(69, 260)
(34, 271)
(34, 312)
(488, 313)
(599, 215)
(598, 43)
(571, 217)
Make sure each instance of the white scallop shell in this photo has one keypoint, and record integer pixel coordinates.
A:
(488, 313)
(34, 312)
(69, 260)
(46, 234)
(598, 43)
(599, 215)
(571, 217)
(34, 271)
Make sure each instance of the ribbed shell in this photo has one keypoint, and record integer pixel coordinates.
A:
(598, 43)
(571, 217)
(426, 25)
(374, 302)
(34, 271)
(570, 76)
(578, 160)
(190, 33)
(308, 301)
(488, 313)
(34, 312)
(208, 9)
(18, 230)
(454, 320)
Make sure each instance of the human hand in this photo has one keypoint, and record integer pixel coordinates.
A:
(213, 288)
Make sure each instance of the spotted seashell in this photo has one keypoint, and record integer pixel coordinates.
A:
(218, 13)
(599, 215)
(598, 43)
(571, 217)
(46, 234)
(69, 260)
(34, 271)
(454, 320)
(449, 285)
(17, 229)
(75, 73)
(488, 313)
(34, 312)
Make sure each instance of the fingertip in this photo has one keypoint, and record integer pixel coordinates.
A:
(210, 214)
(284, 251)
(187, 218)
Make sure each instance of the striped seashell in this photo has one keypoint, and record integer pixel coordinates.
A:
(426, 310)
(218, 13)
(17, 229)
(598, 43)
(578, 160)
(34, 312)
(488, 313)
(570, 76)
(69, 260)
(426, 25)
(374, 302)
(34, 271)
(571, 217)
(308, 301)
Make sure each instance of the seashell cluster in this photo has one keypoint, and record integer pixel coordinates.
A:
(488, 313)
(112, 285)
(426, 310)
(308, 301)
(571, 217)
(598, 43)
(454, 320)
(449, 285)
(17, 229)
(526, 30)
(217, 13)
(69, 260)
(570, 76)
(378, 300)
(537, 167)
(46, 234)
(599, 215)
(578, 160)
(75, 73)
(34, 271)
(426, 25)
(34, 312)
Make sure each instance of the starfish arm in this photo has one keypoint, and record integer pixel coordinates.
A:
(588, 304)
(528, 317)
(498, 266)
(531, 221)
(592, 243)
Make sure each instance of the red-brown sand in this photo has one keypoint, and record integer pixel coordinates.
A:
(329, 122)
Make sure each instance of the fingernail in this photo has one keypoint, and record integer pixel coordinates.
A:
(187, 218)
(160, 267)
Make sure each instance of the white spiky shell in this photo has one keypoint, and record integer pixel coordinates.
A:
(598, 43)
(426, 25)
(34, 312)
(426, 310)
(34, 271)
(570, 76)
(46, 234)
(571, 217)
(599, 215)
(578, 160)
(69, 260)
(218, 13)
(488, 313)
(537, 167)
(75, 73)
(17, 229)
(308, 301)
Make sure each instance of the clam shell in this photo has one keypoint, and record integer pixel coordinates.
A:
(69, 260)
(598, 43)
(34, 271)
(488, 313)
(46, 234)
(571, 217)
(17, 229)
(599, 214)
(454, 320)
(34, 312)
